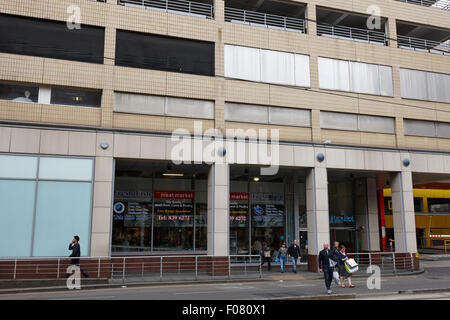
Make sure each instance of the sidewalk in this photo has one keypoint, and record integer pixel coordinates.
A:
(25, 286)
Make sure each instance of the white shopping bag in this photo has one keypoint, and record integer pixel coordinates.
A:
(336, 278)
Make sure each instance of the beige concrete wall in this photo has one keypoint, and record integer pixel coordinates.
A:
(109, 78)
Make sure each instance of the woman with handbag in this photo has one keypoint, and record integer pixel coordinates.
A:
(342, 270)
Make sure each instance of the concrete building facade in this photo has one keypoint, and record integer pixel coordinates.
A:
(348, 110)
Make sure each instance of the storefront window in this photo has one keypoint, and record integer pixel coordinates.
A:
(263, 208)
(52, 202)
(268, 218)
(159, 208)
(173, 220)
(239, 223)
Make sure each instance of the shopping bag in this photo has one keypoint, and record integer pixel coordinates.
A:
(336, 278)
(351, 266)
(332, 263)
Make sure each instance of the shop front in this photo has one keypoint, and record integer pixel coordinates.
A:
(159, 208)
(265, 209)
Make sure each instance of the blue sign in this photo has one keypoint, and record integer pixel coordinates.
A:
(342, 219)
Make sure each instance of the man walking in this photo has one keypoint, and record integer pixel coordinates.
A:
(294, 254)
(74, 246)
(325, 267)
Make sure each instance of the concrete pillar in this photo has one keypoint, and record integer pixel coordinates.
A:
(218, 210)
(392, 32)
(403, 211)
(219, 10)
(373, 228)
(317, 213)
(366, 214)
(311, 19)
(102, 199)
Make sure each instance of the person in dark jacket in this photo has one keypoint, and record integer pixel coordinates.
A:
(266, 256)
(294, 254)
(74, 246)
(335, 254)
(325, 267)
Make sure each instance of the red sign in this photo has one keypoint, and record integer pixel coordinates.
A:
(239, 196)
(174, 194)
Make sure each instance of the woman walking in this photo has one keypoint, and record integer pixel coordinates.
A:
(282, 255)
(341, 267)
(266, 256)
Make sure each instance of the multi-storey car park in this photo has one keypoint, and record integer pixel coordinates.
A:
(361, 104)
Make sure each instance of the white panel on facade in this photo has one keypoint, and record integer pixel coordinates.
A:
(302, 73)
(438, 85)
(246, 113)
(334, 74)
(413, 84)
(386, 85)
(340, 121)
(190, 108)
(139, 103)
(277, 67)
(242, 63)
(289, 117)
(364, 78)
(419, 128)
(376, 124)
(443, 129)
(45, 94)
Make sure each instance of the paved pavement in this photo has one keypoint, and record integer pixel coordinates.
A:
(282, 286)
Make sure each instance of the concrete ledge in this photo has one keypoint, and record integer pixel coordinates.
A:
(320, 297)
(119, 285)
(418, 291)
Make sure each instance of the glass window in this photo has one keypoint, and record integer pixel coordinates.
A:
(246, 113)
(132, 214)
(158, 207)
(65, 169)
(268, 216)
(18, 167)
(376, 124)
(19, 92)
(63, 209)
(419, 128)
(335, 120)
(173, 220)
(76, 97)
(239, 222)
(16, 215)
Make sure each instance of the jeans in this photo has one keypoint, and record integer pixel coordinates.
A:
(328, 275)
(282, 262)
(294, 263)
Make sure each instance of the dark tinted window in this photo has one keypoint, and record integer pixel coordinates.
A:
(51, 39)
(149, 51)
(75, 97)
(19, 92)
